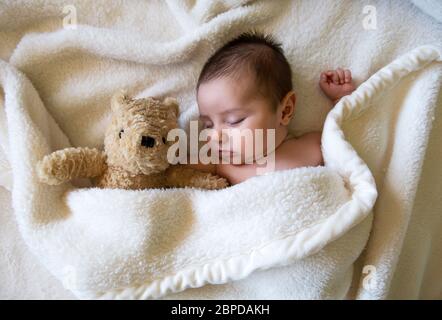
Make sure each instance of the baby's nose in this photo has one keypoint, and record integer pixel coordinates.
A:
(147, 141)
(219, 136)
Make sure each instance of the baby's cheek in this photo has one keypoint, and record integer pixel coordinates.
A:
(246, 140)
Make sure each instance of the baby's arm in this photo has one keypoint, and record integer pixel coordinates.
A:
(182, 176)
(336, 84)
(211, 168)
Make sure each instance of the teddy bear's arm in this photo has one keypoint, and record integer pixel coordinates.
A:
(181, 176)
(64, 165)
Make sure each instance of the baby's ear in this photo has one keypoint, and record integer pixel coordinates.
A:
(172, 103)
(118, 99)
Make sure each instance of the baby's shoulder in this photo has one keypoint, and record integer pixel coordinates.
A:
(304, 150)
(310, 137)
(307, 140)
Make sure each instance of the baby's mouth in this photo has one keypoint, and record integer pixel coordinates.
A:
(226, 152)
(228, 155)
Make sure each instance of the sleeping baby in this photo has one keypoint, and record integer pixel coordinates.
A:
(246, 86)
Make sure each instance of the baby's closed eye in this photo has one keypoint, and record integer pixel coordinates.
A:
(235, 121)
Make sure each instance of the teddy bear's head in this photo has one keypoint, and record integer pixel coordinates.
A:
(136, 139)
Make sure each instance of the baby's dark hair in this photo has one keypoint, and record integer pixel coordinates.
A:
(258, 53)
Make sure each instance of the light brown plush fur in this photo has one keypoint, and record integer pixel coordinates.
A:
(129, 161)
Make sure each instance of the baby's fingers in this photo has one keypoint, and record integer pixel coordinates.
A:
(347, 76)
(323, 77)
(334, 76)
(341, 75)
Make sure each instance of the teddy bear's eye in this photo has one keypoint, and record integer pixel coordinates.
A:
(119, 133)
(164, 140)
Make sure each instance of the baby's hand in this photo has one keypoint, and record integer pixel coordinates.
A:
(336, 83)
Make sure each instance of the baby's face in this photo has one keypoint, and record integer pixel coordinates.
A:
(235, 106)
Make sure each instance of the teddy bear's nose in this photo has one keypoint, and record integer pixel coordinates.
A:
(147, 141)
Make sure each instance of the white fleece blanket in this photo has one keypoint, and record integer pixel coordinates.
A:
(242, 242)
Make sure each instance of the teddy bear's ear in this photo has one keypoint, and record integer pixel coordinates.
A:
(117, 100)
(173, 104)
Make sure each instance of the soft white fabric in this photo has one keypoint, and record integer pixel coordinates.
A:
(105, 243)
(22, 275)
(431, 7)
(158, 49)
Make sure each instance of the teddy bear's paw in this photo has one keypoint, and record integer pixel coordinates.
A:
(216, 182)
(48, 173)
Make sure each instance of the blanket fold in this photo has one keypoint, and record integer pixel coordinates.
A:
(312, 233)
(104, 243)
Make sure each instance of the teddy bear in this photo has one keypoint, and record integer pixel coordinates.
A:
(135, 151)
